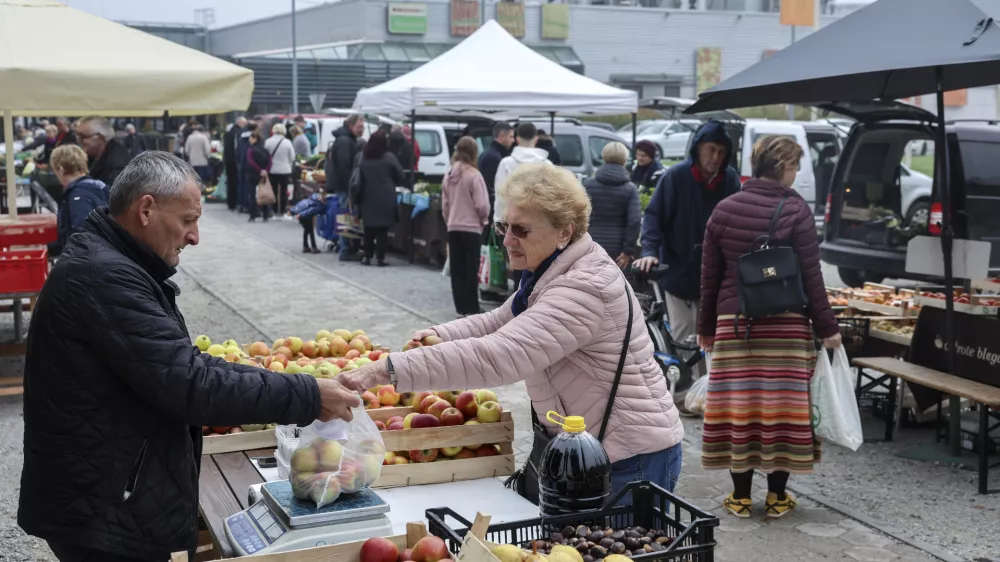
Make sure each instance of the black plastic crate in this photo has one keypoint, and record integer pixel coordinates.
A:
(654, 508)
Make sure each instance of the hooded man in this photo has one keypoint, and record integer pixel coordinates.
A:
(674, 223)
(524, 153)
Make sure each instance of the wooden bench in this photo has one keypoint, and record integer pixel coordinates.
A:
(223, 491)
(988, 397)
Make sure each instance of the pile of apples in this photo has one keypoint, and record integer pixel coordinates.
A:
(440, 409)
(325, 469)
(325, 357)
(427, 549)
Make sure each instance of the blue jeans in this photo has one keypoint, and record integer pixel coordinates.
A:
(662, 468)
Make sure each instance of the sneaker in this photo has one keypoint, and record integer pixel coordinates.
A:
(739, 508)
(775, 508)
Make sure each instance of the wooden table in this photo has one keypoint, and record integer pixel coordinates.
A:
(223, 491)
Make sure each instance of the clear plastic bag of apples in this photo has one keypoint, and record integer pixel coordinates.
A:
(335, 458)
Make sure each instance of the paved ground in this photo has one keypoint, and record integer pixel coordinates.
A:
(249, 281)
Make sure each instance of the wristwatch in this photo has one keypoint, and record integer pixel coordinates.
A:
(392, 372)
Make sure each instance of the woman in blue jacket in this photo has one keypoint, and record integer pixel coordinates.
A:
(81, 193)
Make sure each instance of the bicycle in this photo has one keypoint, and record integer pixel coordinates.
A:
(667, 351)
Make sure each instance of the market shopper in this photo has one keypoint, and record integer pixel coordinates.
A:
(374, 196)
(674, 224)
(198, 149)
(757, 414)
(46, 141)
(246, 193)
(115, 394)
(107, 156)
(548, 144)
(300, 143)
(648, 169)
(282, 159)
(489, 160)
(81, 194)
(616, 216)
(465, 205)
(229, 158)
(404, 150)
(309, 130)
(257, 168)
(134, 141)
(562, 333)
(339, 166)
(66, 134)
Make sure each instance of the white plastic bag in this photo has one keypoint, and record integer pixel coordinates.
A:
(835, 416)
(335, 458)
(697, 395)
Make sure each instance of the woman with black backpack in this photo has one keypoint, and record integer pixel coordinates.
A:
(762, 300)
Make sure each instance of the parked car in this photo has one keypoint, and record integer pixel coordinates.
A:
(876, 203)
(670, 136)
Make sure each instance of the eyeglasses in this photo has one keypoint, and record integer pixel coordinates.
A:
(518, 231)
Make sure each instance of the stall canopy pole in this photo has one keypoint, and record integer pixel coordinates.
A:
(413, 137)
(552, 125)
(947, 238)
(8, 136)
(633, 134)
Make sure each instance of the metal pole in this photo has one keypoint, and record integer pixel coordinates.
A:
(413, 135)
(791, 108)
(295, 66)
(552, 125)
(947, 238)
(8, 136)
(633, 135)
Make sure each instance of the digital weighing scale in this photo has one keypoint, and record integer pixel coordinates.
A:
(280, 522)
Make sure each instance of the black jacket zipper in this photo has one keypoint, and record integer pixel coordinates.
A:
(133, 477)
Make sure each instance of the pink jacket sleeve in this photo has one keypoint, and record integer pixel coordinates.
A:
(475, 326)
(446, 187)
(480, 197)
(567, 316)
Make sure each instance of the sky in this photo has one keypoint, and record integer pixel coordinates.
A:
(227, 12)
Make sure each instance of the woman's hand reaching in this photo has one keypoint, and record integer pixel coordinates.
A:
(366, 376)
(419, 335)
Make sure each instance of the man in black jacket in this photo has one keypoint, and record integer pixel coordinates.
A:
(107, 156)
(338, 167)
(116, 394)
(229, 158)
(489, 160)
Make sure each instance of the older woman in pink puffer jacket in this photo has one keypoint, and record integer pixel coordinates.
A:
(562, 333)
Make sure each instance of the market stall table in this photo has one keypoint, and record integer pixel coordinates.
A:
(226, 479)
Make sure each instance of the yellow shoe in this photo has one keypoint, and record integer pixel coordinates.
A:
(739, 508)
(775, 509)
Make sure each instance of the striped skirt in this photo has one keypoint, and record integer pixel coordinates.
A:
(757, 415)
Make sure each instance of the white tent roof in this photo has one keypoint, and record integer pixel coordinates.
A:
(491, 72)
(82, 64)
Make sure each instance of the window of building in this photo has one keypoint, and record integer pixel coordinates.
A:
(416, 52)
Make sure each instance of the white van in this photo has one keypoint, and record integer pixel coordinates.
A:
(754, 129)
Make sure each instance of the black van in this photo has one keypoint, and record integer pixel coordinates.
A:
(871, 212)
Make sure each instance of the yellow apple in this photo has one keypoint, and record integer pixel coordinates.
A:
(202, 342)
(216, 350)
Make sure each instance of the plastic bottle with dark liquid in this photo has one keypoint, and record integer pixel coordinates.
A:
(574, 473)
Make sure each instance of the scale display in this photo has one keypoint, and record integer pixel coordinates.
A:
(255, 529)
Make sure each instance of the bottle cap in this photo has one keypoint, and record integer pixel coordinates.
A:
(570, 424)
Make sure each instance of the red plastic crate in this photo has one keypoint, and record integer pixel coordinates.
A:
(29, 230)
(23, 271)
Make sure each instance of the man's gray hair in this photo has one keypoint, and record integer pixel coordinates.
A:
(159, 174)
(352, 119)
(130, 128)
(241, 121)
(100, 125)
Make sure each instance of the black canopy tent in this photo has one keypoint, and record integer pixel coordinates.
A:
(889, 50)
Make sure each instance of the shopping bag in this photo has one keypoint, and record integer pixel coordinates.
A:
(492, 269)
(835, 415)
(336, 457)
(265, 194)
(697, 395)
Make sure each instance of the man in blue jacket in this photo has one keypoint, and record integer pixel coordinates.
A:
(673, 226)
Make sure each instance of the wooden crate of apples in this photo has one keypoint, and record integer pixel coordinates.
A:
(468, 431)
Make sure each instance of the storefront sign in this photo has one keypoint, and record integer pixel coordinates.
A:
(409, 18)
(798, 12)
(708, 67)
(510, 15)
(464, 17)
(976, 344)
(956, 98)
(555, 21)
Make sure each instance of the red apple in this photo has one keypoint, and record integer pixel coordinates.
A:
(340, 362)
(419, 397)
(371, 401)
(489, 412)
(259, 348)
(423, 420)
(423, 455)
(395, 426)
(310, 349)
(394, 419)
(388, 396)
(406, 555)
(465, 454)
(380, 425)
(352, 354)
(487, 451)
(280, 358)
(468, 404)
(438, 408)
(449, 395)
(351, 476)
(452, 416)
(375, 354)
(430, 549)
(378, 549)
(427, 402)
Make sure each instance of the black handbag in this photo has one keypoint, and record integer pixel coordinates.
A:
(524, 481)
(769, 277)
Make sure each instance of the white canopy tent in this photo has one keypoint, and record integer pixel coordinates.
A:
(492, 74)
(104, 69)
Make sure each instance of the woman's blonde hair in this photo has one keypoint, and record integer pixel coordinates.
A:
(552, 190)
(773, 155)
(278, 129)
(614, 153)
(294, 131)
(70, 159)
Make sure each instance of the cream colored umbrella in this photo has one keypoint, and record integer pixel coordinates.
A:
(88, 65)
